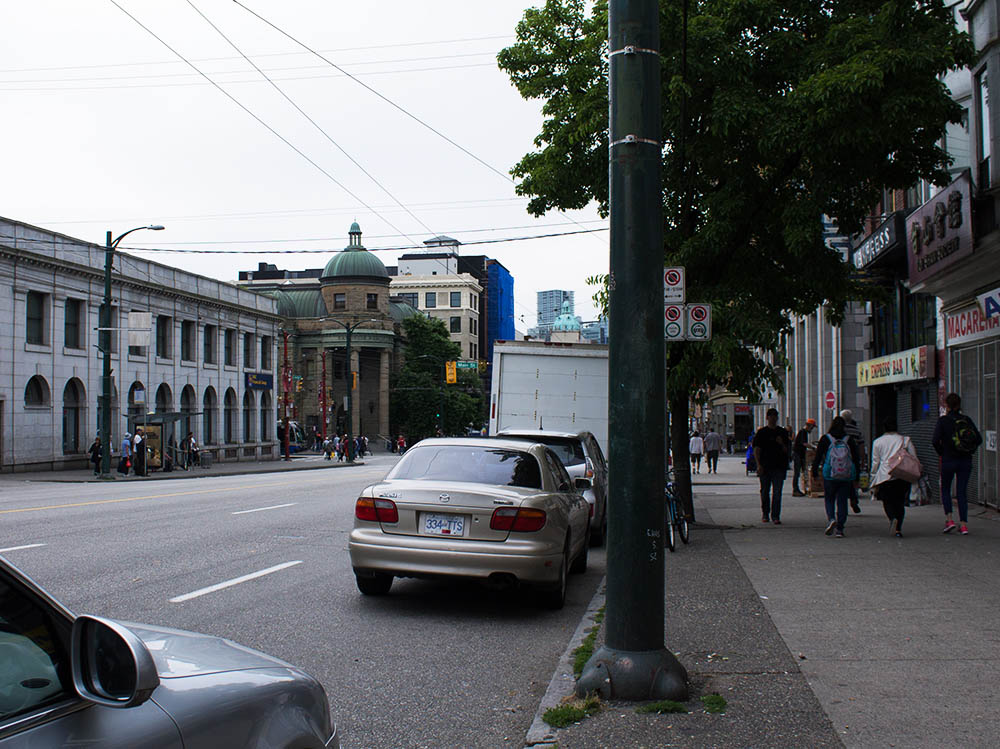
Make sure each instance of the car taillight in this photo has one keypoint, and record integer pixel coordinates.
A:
(523, 520)
(589, 473)
(376, 510)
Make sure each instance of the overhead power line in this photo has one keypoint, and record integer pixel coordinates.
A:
(258, 119)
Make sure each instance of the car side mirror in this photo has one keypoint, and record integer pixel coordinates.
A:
(582, 484)
(111, 666)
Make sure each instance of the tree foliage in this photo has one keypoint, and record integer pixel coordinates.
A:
(422, 402)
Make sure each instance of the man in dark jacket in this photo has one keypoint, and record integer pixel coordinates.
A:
(771, 449)
(956, 439)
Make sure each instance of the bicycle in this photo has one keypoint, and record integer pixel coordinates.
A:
(676, 522)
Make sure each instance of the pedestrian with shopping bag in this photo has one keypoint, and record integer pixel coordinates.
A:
(895, 468)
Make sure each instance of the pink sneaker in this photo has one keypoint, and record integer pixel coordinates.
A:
(964, 530)
(949, 526)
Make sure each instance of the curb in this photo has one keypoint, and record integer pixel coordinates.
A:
(182, 475)
(563, 681)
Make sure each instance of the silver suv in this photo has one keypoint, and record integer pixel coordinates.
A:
(581, 454)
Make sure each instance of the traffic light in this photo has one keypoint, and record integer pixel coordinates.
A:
(451, 372)
(354, 380)
(298, 384)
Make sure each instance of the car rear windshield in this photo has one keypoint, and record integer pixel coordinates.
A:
(477, 465)
(569, 449)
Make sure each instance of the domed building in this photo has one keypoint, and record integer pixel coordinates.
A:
(566, 327)
(346, 302)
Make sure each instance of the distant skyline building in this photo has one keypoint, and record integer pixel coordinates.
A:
(550, 306)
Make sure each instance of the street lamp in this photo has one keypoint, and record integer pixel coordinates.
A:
(105, 346)
(350, 380)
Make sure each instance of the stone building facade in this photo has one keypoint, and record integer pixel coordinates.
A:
(452, 299)
(210, 359)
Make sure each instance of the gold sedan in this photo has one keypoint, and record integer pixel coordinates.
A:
(500, 511)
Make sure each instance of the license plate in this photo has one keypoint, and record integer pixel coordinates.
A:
(436, 524)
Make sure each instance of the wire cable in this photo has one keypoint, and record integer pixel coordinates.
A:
(258, 119)
(311, 121)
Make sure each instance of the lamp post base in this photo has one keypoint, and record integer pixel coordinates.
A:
(106, 477)
(634, 675)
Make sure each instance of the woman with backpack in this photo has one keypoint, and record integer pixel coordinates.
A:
(889, 490)
(838, 457)
(956, 439)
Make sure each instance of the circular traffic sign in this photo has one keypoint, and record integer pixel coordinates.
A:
(673, 330)
(672, 312)
(830, 399)
(671, 277)
(698, 330)
(697, 312)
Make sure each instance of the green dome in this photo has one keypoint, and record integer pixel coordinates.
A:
(355, 261)
(566, 321)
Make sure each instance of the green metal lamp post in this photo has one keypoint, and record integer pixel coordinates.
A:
(105, 346)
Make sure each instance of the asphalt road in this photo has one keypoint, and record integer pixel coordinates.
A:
(431, 665)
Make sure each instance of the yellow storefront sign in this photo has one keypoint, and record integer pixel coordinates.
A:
(912, 364)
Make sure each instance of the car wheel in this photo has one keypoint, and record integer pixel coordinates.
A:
(555, 598)
(579, 565)
(374, 585)
(599, 535)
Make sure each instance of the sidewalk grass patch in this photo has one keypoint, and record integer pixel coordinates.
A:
(714, 703)
(661, 707)
(571, 711)
(582, 654)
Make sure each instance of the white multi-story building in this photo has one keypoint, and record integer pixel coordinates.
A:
(209, 367)
(451, 298)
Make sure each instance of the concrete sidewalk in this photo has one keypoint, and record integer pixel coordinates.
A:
(863, 641)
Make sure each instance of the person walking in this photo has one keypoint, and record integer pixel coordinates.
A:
(713, 444)
(891, 492)
(125, 460)
(696, 445)
(799, 457)
(854, 432)
(770, 451)
(96, 451)
(956, 440)
(838, 457)
(139, 452)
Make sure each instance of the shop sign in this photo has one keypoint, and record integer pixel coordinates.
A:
(912, 364)
(990, 303)
(741, 409)
(939, 233)
(971, 324)
(258, 381)
(880, 241)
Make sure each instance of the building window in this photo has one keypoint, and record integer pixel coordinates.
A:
(71, 325)
(36, 392)
(164, 346)
(340, 301)
(266, 418)
(187, 340)
(371, 301)
(138, 350)
(74, 401)
(209, 406)
(455, 299)
(338, 369)
(455, 324)
(248, 350)
(475, 326)
(411, 299)
(983, 147)
(36, 331)
(266, 346)
(230, 349)
(229, 416)
(430, 299)
(956, 143)
(249, 417)
(211, 344)
(473, 301)
(472, 351)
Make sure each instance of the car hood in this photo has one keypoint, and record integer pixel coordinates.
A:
(178, 653)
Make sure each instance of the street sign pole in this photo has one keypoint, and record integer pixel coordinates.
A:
(634, 664)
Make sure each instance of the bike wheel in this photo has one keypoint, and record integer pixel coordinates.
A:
(682, 527)
(669, 541)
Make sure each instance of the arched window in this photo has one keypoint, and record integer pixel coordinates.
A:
(248, 415)
(189, 405)
(209, 416)
(36, 392)
(266, 417)
(74, 398)
(136, 403)
(230, 415)
(164, 399)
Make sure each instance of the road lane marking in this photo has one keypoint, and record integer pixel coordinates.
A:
(150, 496)
(234, 581)
(18, 548)
(261, 509)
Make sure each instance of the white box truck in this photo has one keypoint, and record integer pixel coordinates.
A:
(562, 387)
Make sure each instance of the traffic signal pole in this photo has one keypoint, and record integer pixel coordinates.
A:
(634, 663)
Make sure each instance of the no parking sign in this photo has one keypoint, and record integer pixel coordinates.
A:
(699, 322)
(673, 322)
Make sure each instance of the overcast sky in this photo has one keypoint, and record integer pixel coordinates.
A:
(104, 128)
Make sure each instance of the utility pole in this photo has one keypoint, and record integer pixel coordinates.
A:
(634, 663)
(286, 385)
(322, 397)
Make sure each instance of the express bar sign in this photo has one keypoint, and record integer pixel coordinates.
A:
(912, 364)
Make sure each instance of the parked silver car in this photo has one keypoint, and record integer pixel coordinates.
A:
(581, 453)
(69, 680)
(500, 511)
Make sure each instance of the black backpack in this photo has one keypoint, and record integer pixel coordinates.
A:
(964, 436)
